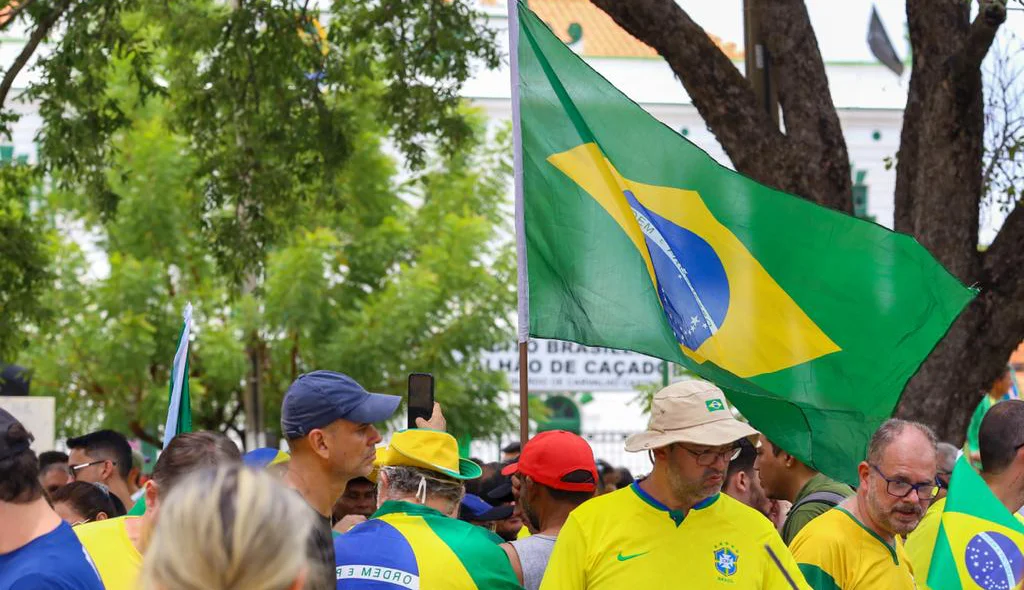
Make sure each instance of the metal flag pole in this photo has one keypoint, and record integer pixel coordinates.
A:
(778, 564)
(523, 279)
(524, 394)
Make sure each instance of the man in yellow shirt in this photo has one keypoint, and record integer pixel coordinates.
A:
(676, 521)
(857, 545)
(116, 545)
(1001, 442)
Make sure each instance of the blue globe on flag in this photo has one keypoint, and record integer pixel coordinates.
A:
(994, 561)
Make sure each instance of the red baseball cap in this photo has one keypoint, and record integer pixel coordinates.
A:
(551, 456)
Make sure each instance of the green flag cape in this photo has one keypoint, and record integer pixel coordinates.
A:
(980, 542)
(631, 237)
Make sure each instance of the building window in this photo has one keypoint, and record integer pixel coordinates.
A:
(860, 195)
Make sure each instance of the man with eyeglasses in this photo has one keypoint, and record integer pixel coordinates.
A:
(675, 524)
(1001, 443)
(859, 544)
(102, 457)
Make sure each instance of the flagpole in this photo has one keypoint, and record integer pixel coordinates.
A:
(524, 394)
(523, 285)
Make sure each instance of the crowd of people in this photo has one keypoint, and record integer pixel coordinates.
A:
(722, 504)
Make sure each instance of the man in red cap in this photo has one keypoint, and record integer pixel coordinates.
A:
(557, 473)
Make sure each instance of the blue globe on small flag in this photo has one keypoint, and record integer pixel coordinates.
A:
(994, 561)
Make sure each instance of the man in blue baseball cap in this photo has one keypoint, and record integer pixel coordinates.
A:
(328, 420)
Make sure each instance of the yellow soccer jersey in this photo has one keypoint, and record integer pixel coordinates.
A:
(116, 559)
(836, 552)
(627, 539)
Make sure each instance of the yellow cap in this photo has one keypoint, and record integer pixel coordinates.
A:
(427, 449)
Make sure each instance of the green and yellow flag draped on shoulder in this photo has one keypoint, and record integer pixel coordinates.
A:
(980, 542)
(633, 238)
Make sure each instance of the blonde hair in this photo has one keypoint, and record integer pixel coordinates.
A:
(228, 528)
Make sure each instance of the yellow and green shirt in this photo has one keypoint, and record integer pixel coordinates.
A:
(627, 539)
(116, 558)
(411, 546)
(836, 552)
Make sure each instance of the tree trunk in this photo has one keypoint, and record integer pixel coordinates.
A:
(810, 159)
(938, 194)
(939, 164)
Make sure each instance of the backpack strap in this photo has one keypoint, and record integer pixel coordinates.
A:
(832, 499)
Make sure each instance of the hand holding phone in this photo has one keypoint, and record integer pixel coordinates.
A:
(421, 397)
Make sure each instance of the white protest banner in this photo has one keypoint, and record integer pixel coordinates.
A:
(555, 365)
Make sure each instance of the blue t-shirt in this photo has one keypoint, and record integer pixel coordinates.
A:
(56, 560)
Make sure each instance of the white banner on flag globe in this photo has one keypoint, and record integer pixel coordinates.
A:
(560, 366)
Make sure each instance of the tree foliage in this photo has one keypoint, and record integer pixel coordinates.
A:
(409, 276)
(268, 99)
(317, 192)
(25, 242)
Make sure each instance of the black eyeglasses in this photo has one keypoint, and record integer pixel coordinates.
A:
(76, 468)
(708, 457)
(902, 489)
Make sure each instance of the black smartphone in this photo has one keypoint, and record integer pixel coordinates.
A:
(421, 397)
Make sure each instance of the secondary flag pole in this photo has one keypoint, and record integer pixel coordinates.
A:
(523, 280)
(778, 564)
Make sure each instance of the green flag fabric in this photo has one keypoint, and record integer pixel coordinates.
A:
(179, 404)
(631, 237)
(980, 542)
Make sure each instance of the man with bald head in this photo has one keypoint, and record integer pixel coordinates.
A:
(858, 544)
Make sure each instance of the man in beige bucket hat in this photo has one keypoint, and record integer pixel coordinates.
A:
(676, 520)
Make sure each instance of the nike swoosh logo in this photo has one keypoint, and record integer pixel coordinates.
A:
(622, 557)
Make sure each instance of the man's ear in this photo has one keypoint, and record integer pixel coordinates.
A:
(317, 440)
(863, 470)
(742, 481)
(108, 470)
(788, 460)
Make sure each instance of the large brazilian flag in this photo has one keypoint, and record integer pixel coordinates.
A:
(631, 237)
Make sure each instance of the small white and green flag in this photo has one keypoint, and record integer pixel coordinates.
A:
(179, 405)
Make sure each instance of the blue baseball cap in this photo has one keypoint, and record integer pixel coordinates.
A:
(316, 399)
(477, 509)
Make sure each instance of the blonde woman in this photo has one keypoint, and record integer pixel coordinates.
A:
(229, 528)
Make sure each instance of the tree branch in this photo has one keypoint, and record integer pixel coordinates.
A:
(1005, 257)
(809, 112)
(991, 15)
(722, 96)
(141, 433)
(42, 30)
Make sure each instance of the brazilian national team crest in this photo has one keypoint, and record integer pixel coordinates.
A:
(726, 559)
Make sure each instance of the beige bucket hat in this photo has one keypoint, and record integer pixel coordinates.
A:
(691, 411)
